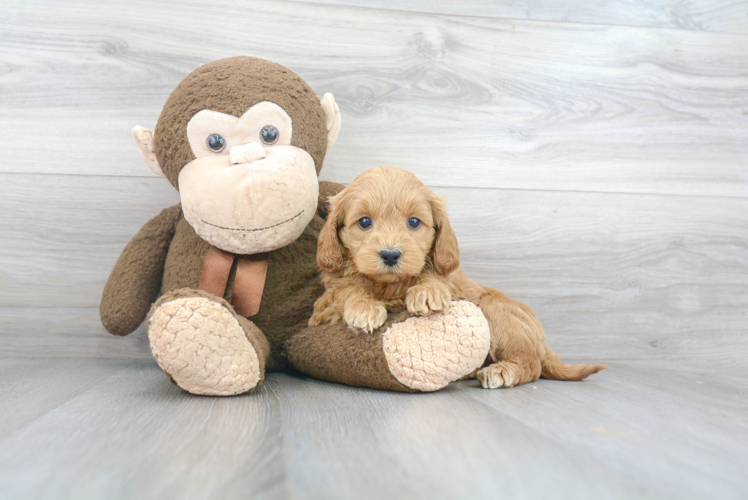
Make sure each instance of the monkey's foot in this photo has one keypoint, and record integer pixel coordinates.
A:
(204, 346)
(428, 352)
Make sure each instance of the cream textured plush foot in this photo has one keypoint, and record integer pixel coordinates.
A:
(202, 346)
(428, 352)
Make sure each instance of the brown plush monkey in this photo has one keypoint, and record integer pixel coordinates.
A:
(243, 141)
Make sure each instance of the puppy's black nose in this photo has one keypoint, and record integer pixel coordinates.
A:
(390, 256)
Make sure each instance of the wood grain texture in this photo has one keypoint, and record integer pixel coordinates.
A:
(66, 332)
(543, 117)
(595, 161)
(726, 16)
(610, 276)
(461, 101)
(57, 228)
(638, 430)
(671, 426)
(442, 445)
(30, 388)
(135, 435)
(632, 275)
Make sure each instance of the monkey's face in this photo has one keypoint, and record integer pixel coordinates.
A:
(243, 140)
(248, 190)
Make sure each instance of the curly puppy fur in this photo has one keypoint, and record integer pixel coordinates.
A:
(403, 218)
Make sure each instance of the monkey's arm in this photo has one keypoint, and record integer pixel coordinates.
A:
(327, 190)
(136, 278)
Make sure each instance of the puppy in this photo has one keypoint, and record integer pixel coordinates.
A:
(387, 245)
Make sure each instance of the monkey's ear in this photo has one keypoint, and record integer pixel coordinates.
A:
(329, 254)
(332, 118)
(446, 249)
(144, 139)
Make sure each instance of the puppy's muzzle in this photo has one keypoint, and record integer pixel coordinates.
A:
(390, 256)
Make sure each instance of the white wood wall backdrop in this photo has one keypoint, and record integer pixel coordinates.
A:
(720, 16)
(597, 172)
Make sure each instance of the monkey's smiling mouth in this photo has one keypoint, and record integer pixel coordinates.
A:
(254, 229)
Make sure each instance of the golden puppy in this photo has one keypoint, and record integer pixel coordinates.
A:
(387, 245)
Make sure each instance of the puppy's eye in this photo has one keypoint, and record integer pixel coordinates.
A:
(269, 135)
(216, 143)
(364, 223)
(414, 223)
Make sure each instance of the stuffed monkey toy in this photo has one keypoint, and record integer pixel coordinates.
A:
(243, 140)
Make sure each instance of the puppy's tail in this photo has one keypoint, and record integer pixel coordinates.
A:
(553, 368)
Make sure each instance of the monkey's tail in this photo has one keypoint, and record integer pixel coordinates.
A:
(554, 369)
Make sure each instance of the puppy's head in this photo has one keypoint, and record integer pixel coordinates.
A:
(389, 226)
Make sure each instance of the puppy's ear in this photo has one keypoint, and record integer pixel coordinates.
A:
(446, 250)
(329, 254)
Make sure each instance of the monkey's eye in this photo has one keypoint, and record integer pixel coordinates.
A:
(364, 223)
(414, 223)
(216, 143)
(269, 134)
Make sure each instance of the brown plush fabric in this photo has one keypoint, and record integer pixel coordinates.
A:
(336, 354)
(167, 254)
(184, 263)
(291, 286)
(258, 341)
(327, 190)
(136, 278)
(232, 86)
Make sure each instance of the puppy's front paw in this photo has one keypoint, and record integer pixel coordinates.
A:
(316, 319)
(426, 297)
(365, 314)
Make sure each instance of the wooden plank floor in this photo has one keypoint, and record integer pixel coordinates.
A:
(92, 428)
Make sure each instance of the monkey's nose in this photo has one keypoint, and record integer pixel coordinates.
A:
(390, 256)
(247, 153)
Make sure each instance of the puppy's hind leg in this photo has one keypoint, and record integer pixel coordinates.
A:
(517, 342)
(518, 348)
(508, 374)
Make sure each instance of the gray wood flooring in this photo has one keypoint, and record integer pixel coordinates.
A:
(94, 428)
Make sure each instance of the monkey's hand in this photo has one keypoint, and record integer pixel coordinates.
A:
(430, 294)
(364, 313)
(136, 278)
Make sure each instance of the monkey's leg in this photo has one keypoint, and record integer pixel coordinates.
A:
(407, 353)
(203, 346)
